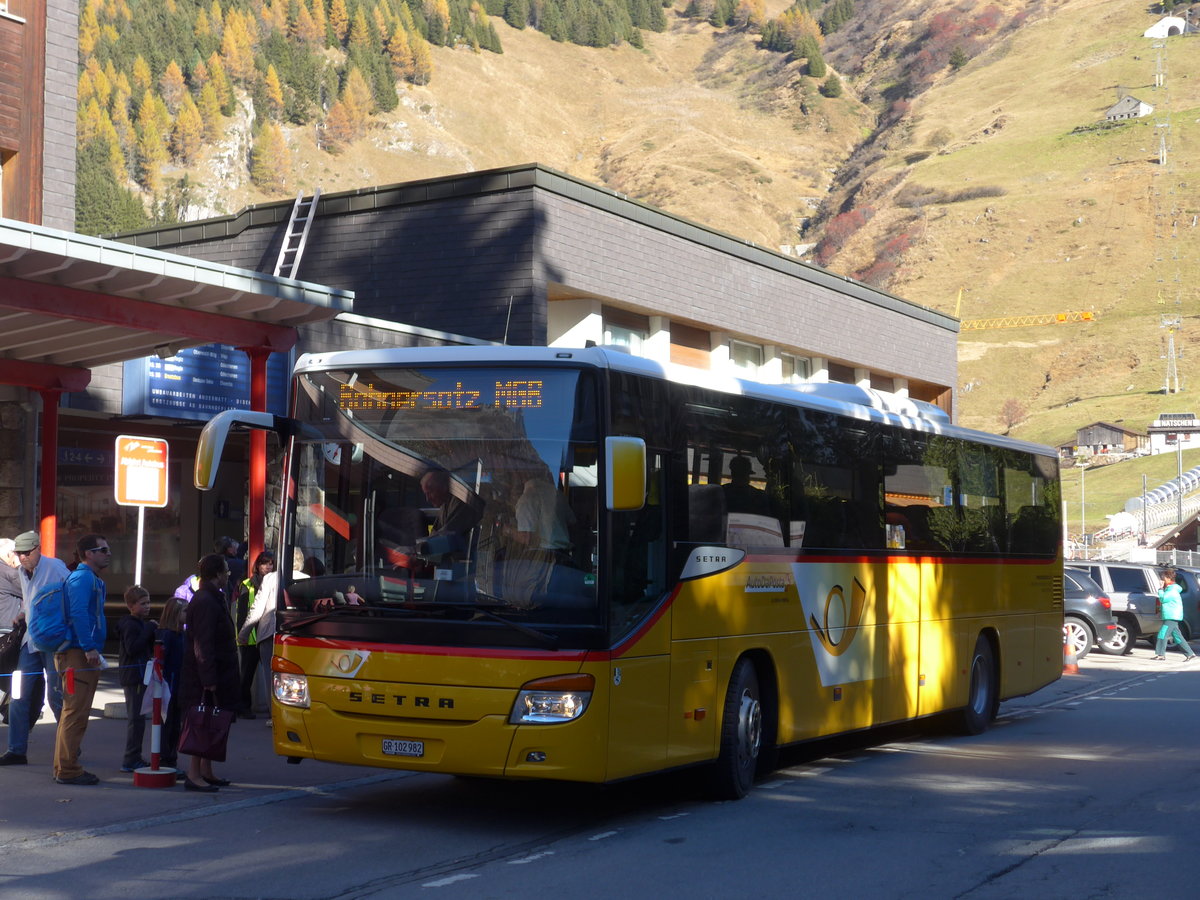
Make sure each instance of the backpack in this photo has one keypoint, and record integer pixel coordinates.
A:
(50, 625)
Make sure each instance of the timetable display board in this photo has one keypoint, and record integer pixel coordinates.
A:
(199, 382)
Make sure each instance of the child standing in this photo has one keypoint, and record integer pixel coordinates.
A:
(136, 633)
(1171, 599)
(170, 634)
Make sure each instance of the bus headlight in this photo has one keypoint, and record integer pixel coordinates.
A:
(291, 689)
(552, 701)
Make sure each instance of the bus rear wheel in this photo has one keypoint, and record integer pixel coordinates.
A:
(741, 734)
(983, 691)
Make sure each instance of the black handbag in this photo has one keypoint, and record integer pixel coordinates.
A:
(205, 731)
(10, 649)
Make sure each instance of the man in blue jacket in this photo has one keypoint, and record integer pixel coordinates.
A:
(85, 597)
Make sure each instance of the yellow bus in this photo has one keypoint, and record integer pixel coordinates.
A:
(582, 565)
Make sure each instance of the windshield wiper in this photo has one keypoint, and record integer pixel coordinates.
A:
(549, 641)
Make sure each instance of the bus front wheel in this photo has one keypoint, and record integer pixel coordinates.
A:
(983, 690)
(741, 734)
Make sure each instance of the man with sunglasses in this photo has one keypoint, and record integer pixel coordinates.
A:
(85, 597)
(38, 677)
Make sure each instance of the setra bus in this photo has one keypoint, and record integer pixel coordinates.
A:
(577, 564)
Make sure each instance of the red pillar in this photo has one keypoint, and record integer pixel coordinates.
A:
(48, 493)
(258, 452)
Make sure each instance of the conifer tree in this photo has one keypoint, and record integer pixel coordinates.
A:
(220, 83)
(126, 134)
(399, 52)
(422, 70)
(89, 30)
(339, 20)
(217, 18)
(151, 156)
(237, 46)
(187, 136)
(274, 92)
(360, 38)
(516, 13)
(172, 86)
(338, 131)
(203, 26)
(210, 113)
(306, 30)
(102, 205)
(142, 79)
(269, 159)
(832, 86)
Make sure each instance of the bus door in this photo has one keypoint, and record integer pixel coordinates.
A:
(640, 669)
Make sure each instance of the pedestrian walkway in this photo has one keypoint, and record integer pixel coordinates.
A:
(34, 805)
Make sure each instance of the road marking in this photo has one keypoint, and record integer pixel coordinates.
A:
(602, 835)
(676, 816)
(450, 879)
(529, 859)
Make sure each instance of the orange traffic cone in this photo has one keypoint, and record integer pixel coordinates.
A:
(1070, 662)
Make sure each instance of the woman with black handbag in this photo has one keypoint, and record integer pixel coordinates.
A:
(209, 682)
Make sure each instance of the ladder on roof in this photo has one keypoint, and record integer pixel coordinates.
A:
(303, 212)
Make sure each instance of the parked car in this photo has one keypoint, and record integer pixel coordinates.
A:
(1132, 588)
(1087, 612)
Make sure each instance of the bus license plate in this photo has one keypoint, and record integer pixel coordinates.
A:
(403, 748)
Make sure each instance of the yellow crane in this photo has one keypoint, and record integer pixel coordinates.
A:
(1062, 318)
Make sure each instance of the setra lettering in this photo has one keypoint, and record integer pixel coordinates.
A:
(715, 558)
(401, 700)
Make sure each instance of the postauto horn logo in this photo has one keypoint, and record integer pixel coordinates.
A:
(843, 647)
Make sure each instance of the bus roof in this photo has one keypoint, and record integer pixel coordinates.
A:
(834, 397)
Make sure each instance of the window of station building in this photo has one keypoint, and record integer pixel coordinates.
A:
(841, 373)
(746, 357)
(625, 329)
(795, 369)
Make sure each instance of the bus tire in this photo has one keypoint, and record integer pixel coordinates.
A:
(741, 734)
(983, 691)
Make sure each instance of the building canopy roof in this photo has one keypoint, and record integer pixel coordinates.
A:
(69, 303)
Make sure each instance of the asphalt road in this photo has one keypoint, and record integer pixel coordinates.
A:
(1090, 788)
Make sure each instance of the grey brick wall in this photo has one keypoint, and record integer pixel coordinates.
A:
(62, 73)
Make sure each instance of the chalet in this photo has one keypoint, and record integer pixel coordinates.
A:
(1103, 438)
(1128, 108)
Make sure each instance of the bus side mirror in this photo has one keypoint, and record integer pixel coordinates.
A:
(625, 473)
(213, 437)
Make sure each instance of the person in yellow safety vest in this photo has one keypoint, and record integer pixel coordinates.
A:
(264, 564)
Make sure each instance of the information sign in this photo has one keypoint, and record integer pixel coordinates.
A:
(141, 477)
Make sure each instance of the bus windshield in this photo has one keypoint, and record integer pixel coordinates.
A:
(442, 496)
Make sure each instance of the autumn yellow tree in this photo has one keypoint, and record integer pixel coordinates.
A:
(216, 18)
(237, 46)
(210, 113)
(142, 78)
(339, 20)
(400, 52)
(151, 157)
(203, 26)
(274, 92)
(126, 133)
(89, 30)
(356, 96)
(187, 136)
(360, 33)
(220, 82)
(422, 60)
(305, 29)
(172, 86)
(337, 132)
(269, 159)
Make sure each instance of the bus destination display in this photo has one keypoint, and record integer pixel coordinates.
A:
(514, 394)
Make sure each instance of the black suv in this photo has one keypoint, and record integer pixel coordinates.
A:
(1087, 612)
